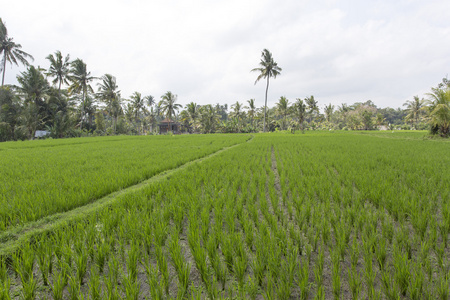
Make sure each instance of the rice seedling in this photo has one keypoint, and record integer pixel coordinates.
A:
(95, 289)
(58, 285)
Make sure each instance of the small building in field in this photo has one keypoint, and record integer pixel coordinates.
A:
(164, 126)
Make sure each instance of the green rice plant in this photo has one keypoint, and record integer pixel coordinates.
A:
(204, 217)
(103, 252)
(354, 252)
(251, 286)
(443, 287)
(381, 252)
(402, 273)
(326, 232)
(163, 268)
(227, 251)
(249, 232)
(44, 260)
(196, 293)
(74, 288)
(320, 294)
(95, 289)
(5, 285)
(440, 255)
(156, 288)
(81, 265)
(415, 289)
(29, 287)
(336, 274)
(111, 284)
(303, 280)
(286, 279)
(113, 270)
(258, 268)
(239, 269)
(354, 282)
(389, 287)
(132, 260)
(23, 263)
(212, 288)
(58, 285)
(159, 233)
(182, 268)
(131, 286)
(369, 274)
(269, 292)
(444, 230)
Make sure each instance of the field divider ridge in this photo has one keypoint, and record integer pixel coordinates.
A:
(11, 239)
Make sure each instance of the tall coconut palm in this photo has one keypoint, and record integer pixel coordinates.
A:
(138, 103)
(415, 109)
(283, 109)
(439, 106)
(150, 100)
(80, 79)
(299, 110)
(192, 110)
(33, 86)
(209, 118)
(251, 109)
(329, 109)
(268, 68)
(108, 93)
(237, 113)
(313, 109)
(59, 68)
(168, 105)
(11, 51)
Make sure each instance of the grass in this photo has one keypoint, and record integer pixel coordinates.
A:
(309, 216)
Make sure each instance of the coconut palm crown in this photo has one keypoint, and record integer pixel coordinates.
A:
(267, 68)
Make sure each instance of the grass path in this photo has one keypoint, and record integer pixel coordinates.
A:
(12, 239)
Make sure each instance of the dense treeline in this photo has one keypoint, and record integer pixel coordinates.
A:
(66, 100)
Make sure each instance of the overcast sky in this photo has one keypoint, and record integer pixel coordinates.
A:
(340, 51)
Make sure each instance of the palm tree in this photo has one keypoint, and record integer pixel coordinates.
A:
(313, 109)
(59, 68)
(108, 93)
(237, 113)
(168, 105)
(415, 109)
(209, 118)
(299, 109)
(11, 51)
(138, 103)
(150, 100)
(80, 79)
(329, 109)
(283, 109)
(192, 110)
(268, 68)
(439, 101)
(251, 109)
(33, 86)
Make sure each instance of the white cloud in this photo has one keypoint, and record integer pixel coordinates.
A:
(338, 51)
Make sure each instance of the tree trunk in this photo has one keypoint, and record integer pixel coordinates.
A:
(4, 69)
(265, 104)
(82, 111)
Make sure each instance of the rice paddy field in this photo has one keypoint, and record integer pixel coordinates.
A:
(335, 215)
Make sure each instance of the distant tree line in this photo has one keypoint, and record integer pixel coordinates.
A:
(66, 100)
